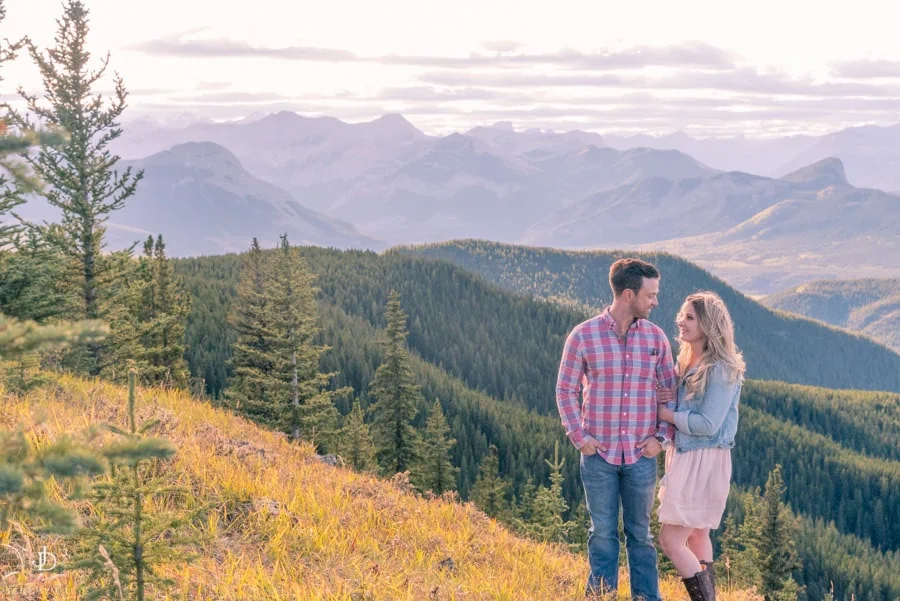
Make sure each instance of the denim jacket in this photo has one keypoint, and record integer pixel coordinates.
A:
(710, 420)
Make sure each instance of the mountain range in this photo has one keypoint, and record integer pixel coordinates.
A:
(384, 182)
(761, 234)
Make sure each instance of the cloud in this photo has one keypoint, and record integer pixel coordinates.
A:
(744, 79)
(224, 48)
(432, 94)
(501, 46)
(232, 97)
(684, 54)
(213, 85)
(867, 69)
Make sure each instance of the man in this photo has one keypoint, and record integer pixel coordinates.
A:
(616, 360)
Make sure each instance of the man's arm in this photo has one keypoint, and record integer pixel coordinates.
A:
(568, 388)
(666, 378)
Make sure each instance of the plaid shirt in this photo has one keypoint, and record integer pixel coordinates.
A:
(618, 379)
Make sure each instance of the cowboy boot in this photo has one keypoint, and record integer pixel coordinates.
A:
(700, 587)
(710, 567)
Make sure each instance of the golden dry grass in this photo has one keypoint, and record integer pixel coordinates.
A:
(283, 526)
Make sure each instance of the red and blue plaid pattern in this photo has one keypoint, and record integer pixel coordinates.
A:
(618, 379)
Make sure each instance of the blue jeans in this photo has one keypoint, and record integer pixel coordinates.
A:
(605, 486)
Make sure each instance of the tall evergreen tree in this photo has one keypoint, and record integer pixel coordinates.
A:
(776, 543)
(740, 557)
(82, 181)
(489, 490)
(433, 471)
(355, 445)
(161, 312)
(276, 358)
(254, 384)
(397, 397)
(304, 407)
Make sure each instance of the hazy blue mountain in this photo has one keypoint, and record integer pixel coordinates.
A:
(871, 155)
(203, 202)
(397, 184)
(314, 158)
(836, 230)
(761, 156)
(761, 234)
(502, 138)
(870, 306)
(656, 208)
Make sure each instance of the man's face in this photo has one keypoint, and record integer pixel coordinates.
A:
(646, 299)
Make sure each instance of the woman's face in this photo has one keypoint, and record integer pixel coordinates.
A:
(688, 327)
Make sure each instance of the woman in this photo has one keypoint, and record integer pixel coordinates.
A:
(694, 490)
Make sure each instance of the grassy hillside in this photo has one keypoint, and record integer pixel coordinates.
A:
(776, 346)
(869, 306)
(279, 524)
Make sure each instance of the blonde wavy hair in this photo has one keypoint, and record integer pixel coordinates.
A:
(718, 344)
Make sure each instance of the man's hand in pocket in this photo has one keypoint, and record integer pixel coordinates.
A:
(591, 447)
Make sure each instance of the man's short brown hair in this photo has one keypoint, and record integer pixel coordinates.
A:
(629, 274)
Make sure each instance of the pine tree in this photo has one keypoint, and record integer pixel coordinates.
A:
(433, 471)
(254, 383)
(276, 360)
(397, 397)
(776, 543)
(125, 540)
(489, 490)
(82, 182)
(548, 523)
(356, 446)
(304, 407)
(740, 558)
(161, 312)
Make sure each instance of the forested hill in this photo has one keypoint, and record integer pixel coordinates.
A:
(776, 346)
(836, 448)
(870, 306)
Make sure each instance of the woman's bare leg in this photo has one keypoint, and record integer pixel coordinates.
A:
(673, 540)
(700, 544)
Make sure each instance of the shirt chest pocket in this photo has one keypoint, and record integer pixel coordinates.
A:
(644, 362)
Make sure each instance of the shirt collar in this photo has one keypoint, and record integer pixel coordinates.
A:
(610, 321)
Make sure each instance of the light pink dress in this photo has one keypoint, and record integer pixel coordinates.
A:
(695, 488)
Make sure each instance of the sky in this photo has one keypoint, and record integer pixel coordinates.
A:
(709, 68)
